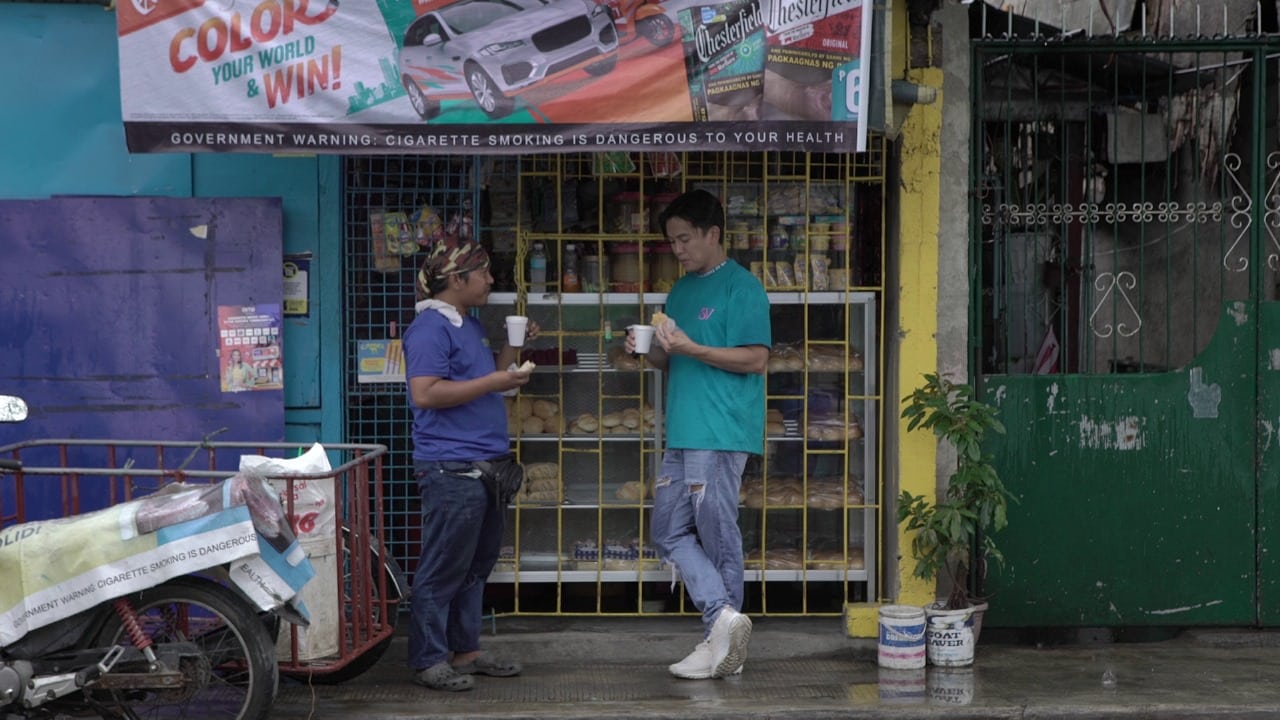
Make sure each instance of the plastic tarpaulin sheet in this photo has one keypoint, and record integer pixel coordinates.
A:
(140, 544)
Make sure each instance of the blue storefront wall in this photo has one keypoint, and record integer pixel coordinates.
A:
(61, 134)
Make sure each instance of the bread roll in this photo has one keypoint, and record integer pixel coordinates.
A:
(773, 415)
(545, 409)
(539, 496)
(531, 425)
(542, 485)
(524, 407)
(631, 491)
(612, 419)
(526, 367)
(587, 422)
(542, 471)
(775, 429)
(631, 419)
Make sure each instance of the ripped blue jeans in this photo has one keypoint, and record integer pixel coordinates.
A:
(695, 525)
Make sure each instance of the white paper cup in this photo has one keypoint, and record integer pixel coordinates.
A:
(644, 337)
(516, 325)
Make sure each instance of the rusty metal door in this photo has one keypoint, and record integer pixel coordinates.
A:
(1124, 320)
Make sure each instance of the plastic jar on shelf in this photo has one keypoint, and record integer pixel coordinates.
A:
(624, 215)
(624, 268)
(657, 204)
(664, 269)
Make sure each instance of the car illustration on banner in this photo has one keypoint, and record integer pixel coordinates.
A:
(492, 50)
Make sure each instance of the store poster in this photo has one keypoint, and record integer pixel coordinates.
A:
(250, 354)
(379, 361)
(297, 285)
(483, 76)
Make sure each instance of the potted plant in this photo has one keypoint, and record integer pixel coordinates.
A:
(952, 536)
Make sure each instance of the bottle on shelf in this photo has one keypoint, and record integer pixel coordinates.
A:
(569, 281)
(538, 269)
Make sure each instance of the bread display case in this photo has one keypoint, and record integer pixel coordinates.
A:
(810, 504)
(589, 424)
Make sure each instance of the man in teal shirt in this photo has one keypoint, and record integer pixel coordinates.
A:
(715, 348)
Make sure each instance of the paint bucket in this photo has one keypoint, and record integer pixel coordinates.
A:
(901, 645)
(949, 636)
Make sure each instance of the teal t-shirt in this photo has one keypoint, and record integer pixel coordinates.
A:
(709, 408)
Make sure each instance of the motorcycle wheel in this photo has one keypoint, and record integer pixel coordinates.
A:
(236, 675)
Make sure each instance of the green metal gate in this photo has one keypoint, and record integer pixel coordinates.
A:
(1124, 250)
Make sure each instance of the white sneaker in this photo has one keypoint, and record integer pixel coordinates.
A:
(697, 665)
(729, 637)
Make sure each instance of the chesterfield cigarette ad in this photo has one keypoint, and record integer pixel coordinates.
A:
(493, 76)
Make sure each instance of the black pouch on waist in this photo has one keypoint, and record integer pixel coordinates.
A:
(503, 477)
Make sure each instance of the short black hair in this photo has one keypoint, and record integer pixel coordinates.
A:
(699, 208)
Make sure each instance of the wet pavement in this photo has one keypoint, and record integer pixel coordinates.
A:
(806, 668)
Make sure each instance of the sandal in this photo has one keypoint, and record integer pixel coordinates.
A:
(487, 664)
(442, 676)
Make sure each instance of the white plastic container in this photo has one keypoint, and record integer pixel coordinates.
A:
(902, 643)
(949, 636)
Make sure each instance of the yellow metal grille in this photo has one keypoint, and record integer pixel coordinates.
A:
(811, 505)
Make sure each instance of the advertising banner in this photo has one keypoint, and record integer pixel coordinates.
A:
(493, 76)
(137, 545)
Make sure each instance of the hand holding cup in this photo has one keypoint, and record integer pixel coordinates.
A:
(640, 338)
(517, 325)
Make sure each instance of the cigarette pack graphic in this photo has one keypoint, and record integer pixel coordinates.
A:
(810, 48)
(724, 59)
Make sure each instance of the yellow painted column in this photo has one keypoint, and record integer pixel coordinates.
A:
(917, 347)
(918, 303)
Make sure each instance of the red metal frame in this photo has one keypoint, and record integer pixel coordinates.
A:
(368, 609)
